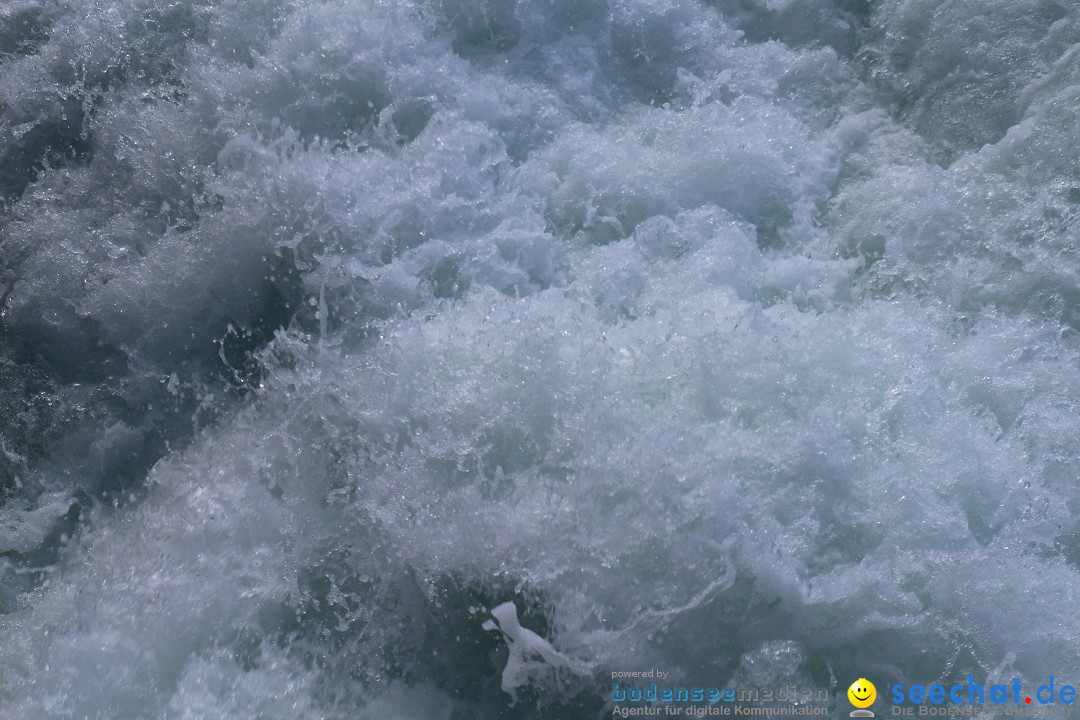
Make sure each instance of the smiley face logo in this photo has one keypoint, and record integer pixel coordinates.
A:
(862, 693)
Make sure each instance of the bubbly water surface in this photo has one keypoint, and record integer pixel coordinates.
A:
(736, 338)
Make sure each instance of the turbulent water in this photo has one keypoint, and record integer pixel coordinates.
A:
(736, 338)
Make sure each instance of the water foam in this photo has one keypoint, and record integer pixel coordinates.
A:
(701, 336)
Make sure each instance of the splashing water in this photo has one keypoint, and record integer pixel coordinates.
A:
(737, 338)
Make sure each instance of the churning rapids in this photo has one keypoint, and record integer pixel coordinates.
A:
(737, 338)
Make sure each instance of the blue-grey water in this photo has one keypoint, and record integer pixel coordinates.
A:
(734, 338)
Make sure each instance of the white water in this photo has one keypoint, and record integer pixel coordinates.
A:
(735, 338)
